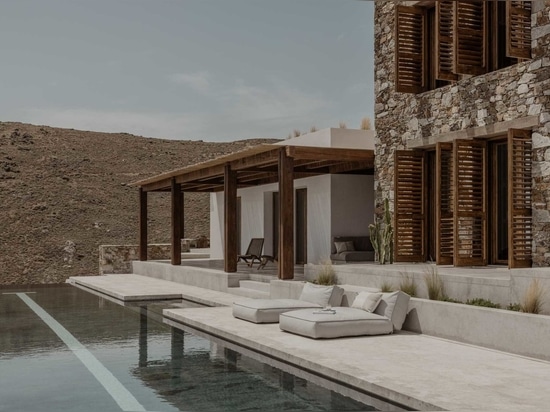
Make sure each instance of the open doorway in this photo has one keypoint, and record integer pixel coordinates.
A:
(301, 226)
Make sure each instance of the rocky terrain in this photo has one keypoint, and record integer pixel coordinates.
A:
(64, 192)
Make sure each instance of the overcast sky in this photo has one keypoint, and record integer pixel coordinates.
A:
(215, 70)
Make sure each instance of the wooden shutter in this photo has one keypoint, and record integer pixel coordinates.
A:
(444, 191)
(444, 40)
(409, 229)
(520, 235)
(518, 30)
(470, 37)
(470, 205)
(410, 49)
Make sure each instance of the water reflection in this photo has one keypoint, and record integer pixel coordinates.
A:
(164, 367)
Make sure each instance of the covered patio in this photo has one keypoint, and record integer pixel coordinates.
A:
(258, 165)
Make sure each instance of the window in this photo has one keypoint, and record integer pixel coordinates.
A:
(482, 201)
(438, 44)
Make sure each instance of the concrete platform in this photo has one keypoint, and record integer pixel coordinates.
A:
(128, 288)
(418, 371)
(421, 372)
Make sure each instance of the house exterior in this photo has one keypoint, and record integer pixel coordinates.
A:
(326, 205)
(463, 130)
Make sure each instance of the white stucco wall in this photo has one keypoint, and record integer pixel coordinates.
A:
(318, 216)
(216, 225)
(336, 204)
(352, 200)
(340, 138)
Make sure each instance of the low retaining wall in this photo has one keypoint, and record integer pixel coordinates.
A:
(202, 277)
(520, 333)
(117, 259)
(499, 285)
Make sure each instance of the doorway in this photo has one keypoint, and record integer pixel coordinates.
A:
(301, 226)
(275, 220)
(498, 202)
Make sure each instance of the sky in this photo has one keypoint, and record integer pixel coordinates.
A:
(213, 70)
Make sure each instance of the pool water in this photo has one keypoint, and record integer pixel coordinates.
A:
(64, 349)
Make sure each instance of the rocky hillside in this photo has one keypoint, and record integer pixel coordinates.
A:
(63, 189)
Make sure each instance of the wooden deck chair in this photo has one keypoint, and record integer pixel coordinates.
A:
(267, 258)
(253, 252)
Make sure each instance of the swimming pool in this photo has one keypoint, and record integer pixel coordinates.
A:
(64, 349)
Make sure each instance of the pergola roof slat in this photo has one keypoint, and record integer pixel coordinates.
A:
(258, 165)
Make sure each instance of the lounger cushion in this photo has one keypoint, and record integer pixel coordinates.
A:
(322, 295)
(394, 306)
(343, 322)
(367, 301)
(267, 310)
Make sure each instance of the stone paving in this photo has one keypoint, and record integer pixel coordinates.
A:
(422, 372)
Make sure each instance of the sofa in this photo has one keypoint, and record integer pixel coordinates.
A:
(352, 249)
(330, 312)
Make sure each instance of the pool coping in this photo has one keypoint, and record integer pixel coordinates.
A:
(490, 379)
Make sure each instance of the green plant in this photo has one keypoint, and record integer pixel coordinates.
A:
(326, 274)
(451, 300)
(482, 302)
(381, 236)
(434, 284)
(408, 285)
(386, 286)
(297, 133)
(365, 123)
(533, 298)
(516, 307)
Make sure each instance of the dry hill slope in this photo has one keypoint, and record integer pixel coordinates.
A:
(61, 185)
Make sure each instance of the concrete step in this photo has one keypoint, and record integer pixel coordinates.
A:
(255, 285)
(262, 277)
(248, 293)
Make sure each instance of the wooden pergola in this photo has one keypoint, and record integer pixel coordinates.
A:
(255, 166)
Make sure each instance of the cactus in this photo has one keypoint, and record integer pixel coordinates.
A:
(381, 236)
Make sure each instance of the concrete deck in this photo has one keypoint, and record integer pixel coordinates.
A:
(419, 371)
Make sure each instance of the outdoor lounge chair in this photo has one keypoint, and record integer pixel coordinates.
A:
(268, 310)
(266, 258)
(375, 314)
(253, 252)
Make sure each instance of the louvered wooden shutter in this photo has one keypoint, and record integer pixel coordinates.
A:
(470, 205)
(444, 191)
(444, 40)
(520, 235)
(470, 37)
(409, 240)
(518, 33)
(410, 49)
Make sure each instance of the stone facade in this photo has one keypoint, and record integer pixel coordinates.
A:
(117, 259)
(515, 96)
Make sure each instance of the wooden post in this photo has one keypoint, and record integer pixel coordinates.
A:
(176, 222)
(286, 216)
(142, 224)
(182, 221)
(230, 219)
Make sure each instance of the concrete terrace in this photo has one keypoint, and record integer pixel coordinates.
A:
(413, 370)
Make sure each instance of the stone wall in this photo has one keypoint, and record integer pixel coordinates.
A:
(513, 94)
(118, 258)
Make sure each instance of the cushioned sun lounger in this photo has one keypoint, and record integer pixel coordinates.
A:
(388, 315)
(268, 310)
